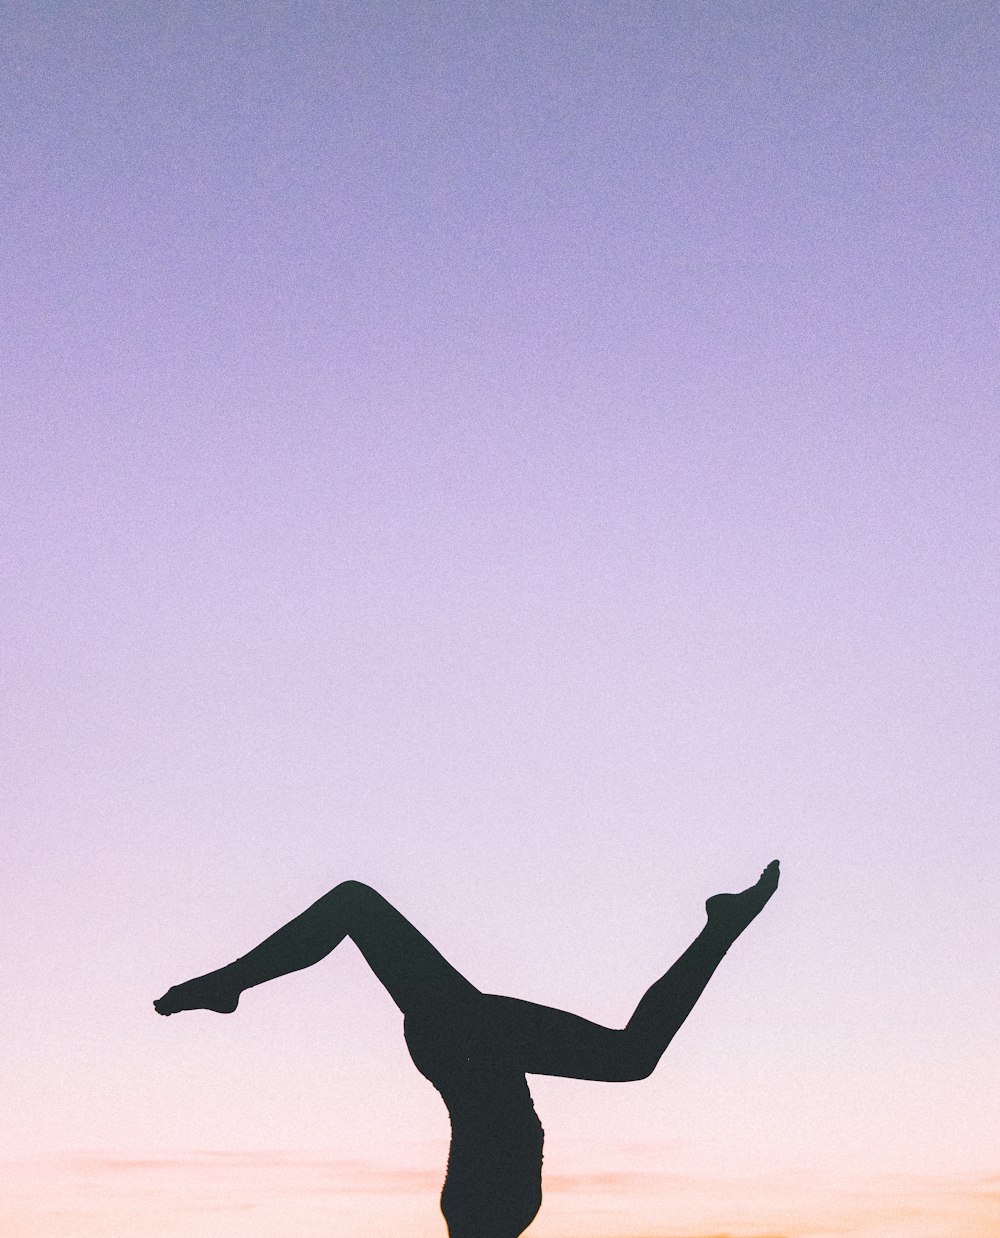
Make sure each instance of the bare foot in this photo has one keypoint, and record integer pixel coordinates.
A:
(733, 912)
(214, 991)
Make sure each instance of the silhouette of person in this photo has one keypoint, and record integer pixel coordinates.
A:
(476, 1048)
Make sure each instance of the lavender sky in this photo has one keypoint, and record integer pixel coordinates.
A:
(541, 460)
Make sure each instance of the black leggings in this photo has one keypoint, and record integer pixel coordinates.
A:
(476, 1048)
(537, 1039)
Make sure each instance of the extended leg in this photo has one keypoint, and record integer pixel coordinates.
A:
(412, 970)
(553, 1042)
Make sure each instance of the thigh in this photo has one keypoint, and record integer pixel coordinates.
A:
(454, 1043)
(417, 976)
(546, 1041)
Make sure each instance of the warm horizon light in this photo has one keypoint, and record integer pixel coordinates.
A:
(540, 461)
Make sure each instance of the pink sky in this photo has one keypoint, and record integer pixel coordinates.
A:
(541, 462)
(258, 1193)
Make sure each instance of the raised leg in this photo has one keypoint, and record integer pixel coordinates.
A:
(415, 974)
(553, 1042)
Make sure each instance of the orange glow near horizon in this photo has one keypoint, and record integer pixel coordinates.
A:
(262, 1195)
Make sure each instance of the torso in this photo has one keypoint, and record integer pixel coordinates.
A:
(495, 1160)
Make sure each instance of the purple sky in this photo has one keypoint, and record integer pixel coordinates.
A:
(541, 460)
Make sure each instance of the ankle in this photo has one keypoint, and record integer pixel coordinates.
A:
(232, 977)
(717, 935)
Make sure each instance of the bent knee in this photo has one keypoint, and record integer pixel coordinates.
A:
(352, 898)
(636, 1060)
(355, 892)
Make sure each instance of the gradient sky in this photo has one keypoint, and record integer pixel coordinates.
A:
(540, 459)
